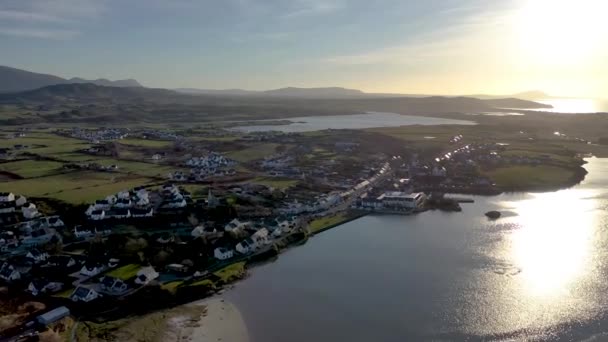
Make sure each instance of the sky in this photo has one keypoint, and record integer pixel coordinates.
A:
(450, 47)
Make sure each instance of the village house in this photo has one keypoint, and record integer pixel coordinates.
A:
(9, 274)
(29, 211)
(37, 256)
(113, 286)
(54, 222)
(222, 253)
(91, 269)
(42, 286)
(20, 200)
(7, 207)
(97, 215)
(82, 233)
(84, 294)
(7, 197)
(39, 237)
(119, 213)
(145, 275)
(246, 246)
(141, 213)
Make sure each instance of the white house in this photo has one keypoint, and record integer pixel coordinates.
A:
(139, 213)
(29, 211)
(54, 221)
(157, 156)
(37, 256)
(38, 287)
(175, 203)
(7, 207)
(7, 197)
(119, 214)
(260, 237)
(91, 270)
(84, 294)
(81, 233)
(8, 273)
(198, 231)
(20, 200)
(146, 275)
(123, 195)
(222, 253)
(97, 215)
(103, 204)
(113, 285)
(246, 246)
(439, 171)
(123, 203)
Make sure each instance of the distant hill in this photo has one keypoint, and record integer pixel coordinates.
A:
(526, 95)
(107, 83)
(318, 93)
(85, 93)
(15, 80)
(331, 92)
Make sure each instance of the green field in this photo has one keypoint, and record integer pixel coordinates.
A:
(74, 187)
(325, 222)
(529, 177)
(139, 168)
(32, 168)
(277, 183)
(253, 153)
(125, 272)
(146, 142)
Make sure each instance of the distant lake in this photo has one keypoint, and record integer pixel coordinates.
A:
(574, 106)
(356, 121)
(538, 273)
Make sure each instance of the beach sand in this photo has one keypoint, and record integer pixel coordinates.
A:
(220, 321)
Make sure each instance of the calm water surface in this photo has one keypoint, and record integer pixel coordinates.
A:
(575, 106)
(540, 272)
(357, 121)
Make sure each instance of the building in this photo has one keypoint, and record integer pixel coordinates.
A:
(41, 286)
(113, 285)
(7, 207)
(401, 200)
(97, 215)
(140, 213)
(222, 253)
(53, 316)
(246, 246)
(7, 197)
(84, 294)
(9, 274)
(37, 256)
(91, 269)
(29, 211)
(146, 275)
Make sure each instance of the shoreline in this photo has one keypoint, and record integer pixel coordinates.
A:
(220, 320)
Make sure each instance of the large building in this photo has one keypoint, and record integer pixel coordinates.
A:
(400, 200)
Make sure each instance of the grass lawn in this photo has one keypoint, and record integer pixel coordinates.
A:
(529, 177)
(139, 168)
(146, 142)
(64, 293)
(172, 286)
(232, 272)
(253, 153)
(328, 221)
(125, 272)
(203, 282)
(277, 183)
(74, 187)
(32, 168)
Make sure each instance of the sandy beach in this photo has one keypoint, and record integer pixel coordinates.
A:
(220, 320)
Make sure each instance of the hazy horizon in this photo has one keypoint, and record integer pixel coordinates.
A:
(437, 47)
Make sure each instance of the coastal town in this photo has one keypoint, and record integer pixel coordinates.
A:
(205, 212)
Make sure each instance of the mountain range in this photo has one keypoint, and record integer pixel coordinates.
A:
(16, 80)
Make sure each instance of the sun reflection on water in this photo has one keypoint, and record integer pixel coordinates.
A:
(553, 245)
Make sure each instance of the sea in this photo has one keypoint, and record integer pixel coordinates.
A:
(356, 121)
(537, 273)
(575, 105)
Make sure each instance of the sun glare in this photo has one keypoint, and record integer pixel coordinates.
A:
(561, 32)
(552, 246)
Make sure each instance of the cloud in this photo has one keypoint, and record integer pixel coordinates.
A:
(54, 34)
(48, 19)
(454, 40)
(301, 8)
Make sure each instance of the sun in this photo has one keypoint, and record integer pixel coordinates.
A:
(561, 32)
